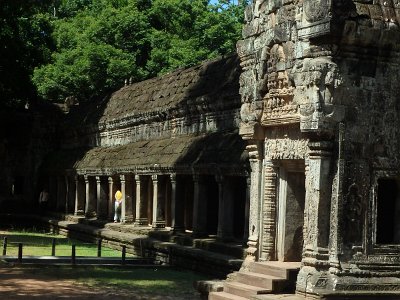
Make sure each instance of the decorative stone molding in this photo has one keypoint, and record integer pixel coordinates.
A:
(269, 215)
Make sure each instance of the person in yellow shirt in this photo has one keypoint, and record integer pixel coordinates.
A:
(117, 206)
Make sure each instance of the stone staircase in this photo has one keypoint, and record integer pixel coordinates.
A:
(271, 277)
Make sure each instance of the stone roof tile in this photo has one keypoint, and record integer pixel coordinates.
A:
(165, 92)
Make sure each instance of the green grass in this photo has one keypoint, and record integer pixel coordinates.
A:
(143, 281)
(39, 244)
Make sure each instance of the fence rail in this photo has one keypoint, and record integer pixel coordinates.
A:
(54, 246)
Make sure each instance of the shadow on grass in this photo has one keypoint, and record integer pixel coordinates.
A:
(149, 281)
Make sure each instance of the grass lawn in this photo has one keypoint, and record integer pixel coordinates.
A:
(147, 282)
(39, 244)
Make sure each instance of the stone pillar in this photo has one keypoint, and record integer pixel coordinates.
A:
(316, 230)
(255, 200)
(158, 203)
(70, 194)
(141, 217)
(79, 197)
(61, 194)
(246, 232)
(336, 238)
(127, 198)
(269, 216)
(112, 189)
(176, 207)
(52, 205)
(225, 209)
(199, 208)
(101, 196)
(318, 199)
(90, 206)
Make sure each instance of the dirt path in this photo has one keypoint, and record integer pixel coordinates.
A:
(17, 284)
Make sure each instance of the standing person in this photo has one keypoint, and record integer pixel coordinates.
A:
(43, 199)
(117, 206)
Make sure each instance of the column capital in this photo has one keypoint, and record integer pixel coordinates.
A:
(154, 177)
(137, 178)
(320, 149)
(98, 179)
(254, 148)
(86, 177)
(172, 177)
(110, 179)
(122, 178)
(219, 178)
(196, 177)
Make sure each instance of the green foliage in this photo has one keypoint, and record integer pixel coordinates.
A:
(25, 43)
(86, 48)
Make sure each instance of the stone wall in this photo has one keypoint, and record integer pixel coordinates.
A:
(319, 83)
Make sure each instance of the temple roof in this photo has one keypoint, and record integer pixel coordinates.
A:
(212, 83)
(182, 154)
(210, 86)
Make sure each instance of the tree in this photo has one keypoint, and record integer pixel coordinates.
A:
(96, 50)
(25, 43)
(101, 43)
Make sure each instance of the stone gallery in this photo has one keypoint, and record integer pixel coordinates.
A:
(288, 151)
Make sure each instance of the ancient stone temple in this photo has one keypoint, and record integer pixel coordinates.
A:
(292, 147)
(320, 114)
(169, 144)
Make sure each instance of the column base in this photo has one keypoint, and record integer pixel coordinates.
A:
(141, 222)
(127, 219)
(158, 224)
(79, 213)
(91, 214)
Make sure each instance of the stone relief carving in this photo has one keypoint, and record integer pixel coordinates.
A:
(315, 10)
(353, 216)
(286, 148)
(315, 80)
(285, 144)
(315, 18)
(278, 102)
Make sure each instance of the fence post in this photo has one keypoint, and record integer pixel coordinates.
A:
(20, 253)
(123, 255)
(53, 247)
(99, 248)
(73, 254)
(5, 246)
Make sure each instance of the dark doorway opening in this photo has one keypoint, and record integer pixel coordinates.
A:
(239, 186)
(388, 214)
(212, 204)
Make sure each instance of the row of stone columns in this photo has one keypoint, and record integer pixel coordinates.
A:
(147, 199)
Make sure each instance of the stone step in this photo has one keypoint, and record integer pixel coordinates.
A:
(270, 282)
(286, 270)
(277, 297)
(243, 290)
(233, 249)
(224, 296)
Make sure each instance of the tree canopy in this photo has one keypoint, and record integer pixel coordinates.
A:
(90, 46)
(25, 43)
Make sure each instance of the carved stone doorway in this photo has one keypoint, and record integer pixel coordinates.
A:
(290, 214)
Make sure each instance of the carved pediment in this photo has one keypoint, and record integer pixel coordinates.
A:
(279, 108)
